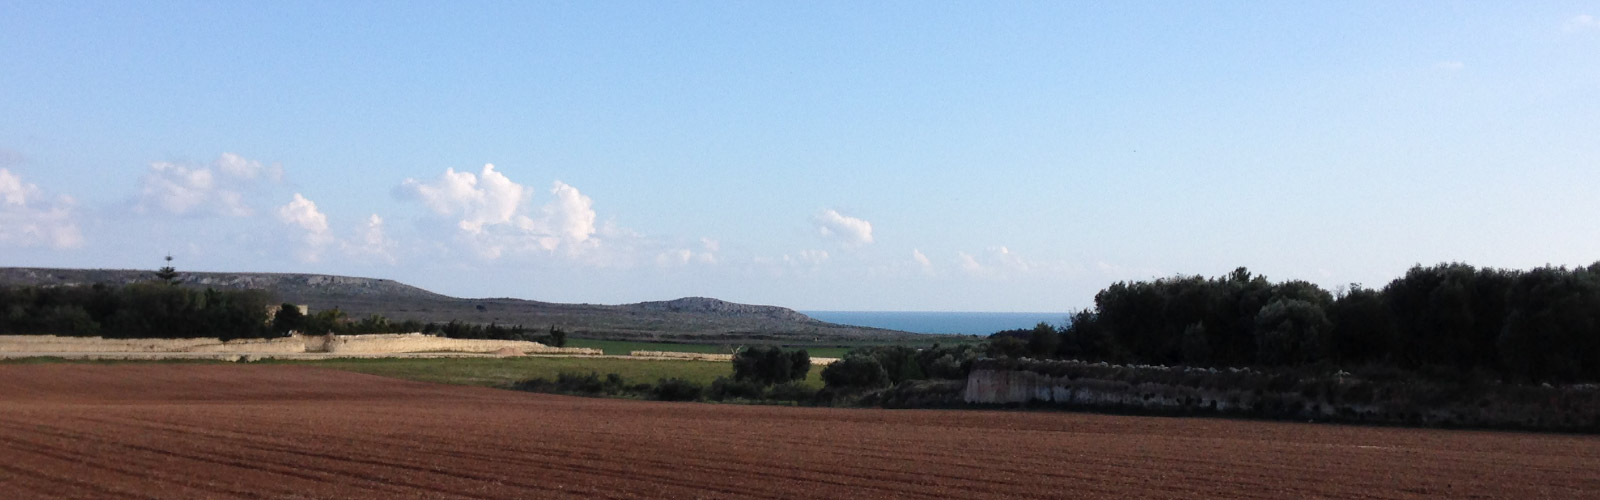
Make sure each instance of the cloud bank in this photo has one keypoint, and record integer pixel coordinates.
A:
(28, 217)
(215, 189)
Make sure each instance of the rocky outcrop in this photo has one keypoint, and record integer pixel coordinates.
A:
(705, 305)
(290, 286)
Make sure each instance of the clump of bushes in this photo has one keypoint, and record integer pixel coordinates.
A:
(883, 366)
(768, 365)
(593, 384)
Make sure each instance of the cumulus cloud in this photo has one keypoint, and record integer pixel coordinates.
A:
(968, 262)
(999, 261)
(1582, 22)
(811, 257)
(849, 230)
(303, 214)
(492, 213)
(317, 237)
(685, 256)
(569, 218)
(28, 217)
(215, 189)
(372, 242)
(489, 198)
(237, 166)
(921, 260)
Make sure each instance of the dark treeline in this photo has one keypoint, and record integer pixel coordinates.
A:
(1541, 325)
(552, 336)
(152, 310)
(164, 310)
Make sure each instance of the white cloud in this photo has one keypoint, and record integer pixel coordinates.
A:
(685, 256)
(1000, 261)
(237, 166)
(1582, 22)
(304, 215)
(491, 214)
(812, 257)
(215, 189)
(569, 218)
(1449, 65)
(850, 230)
(476, 201)
(921, 260)
(29, 218)
(372, 242)
(969, 263)
(317, 237)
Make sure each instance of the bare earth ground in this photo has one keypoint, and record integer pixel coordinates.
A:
(210, 431)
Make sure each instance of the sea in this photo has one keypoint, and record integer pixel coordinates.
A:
(967, 323)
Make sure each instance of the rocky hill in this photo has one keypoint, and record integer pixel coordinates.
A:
(690, 318)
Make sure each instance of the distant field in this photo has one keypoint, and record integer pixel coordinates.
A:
(623, 347)
(828, 350)
(502, 372)
(484, 372)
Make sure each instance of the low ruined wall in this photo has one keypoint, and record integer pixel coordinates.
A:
(1016, 386)
(1338, 397)
(339, 344)
(51, 343)
(701, 356)
(683, 355)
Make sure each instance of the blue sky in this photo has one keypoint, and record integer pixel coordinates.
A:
(973, 156)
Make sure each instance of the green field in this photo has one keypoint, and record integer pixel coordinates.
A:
(502, 372)
(623, 347)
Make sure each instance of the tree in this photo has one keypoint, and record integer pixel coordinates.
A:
(1044, 340)
(288, 319)
(168, 274)
(556, 338)
(768, 365)
(1291, 331)
(1363, 327)
(855, 371)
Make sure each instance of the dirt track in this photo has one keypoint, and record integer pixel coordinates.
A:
(206, 431)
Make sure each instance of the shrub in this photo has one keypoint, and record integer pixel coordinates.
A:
(724, 389)
(677, 389)
(791, 391)
(767, 365)
(855, 371)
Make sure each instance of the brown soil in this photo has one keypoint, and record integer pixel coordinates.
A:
(205, 431)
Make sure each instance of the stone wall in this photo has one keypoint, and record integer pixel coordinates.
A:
(339, 344)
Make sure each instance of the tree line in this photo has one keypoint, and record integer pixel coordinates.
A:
(162, 309)
(145, 310)
(1539, 325)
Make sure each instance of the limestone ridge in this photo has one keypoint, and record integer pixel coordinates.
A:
(288, 285)
(722, 308)
(696, 319)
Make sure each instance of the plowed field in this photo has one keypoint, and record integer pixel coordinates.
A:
(208, 431)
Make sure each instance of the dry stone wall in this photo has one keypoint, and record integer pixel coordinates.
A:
(333, 344)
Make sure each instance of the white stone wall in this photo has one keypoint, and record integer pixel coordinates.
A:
(342, 344)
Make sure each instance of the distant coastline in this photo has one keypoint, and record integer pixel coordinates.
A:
(962, 323)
